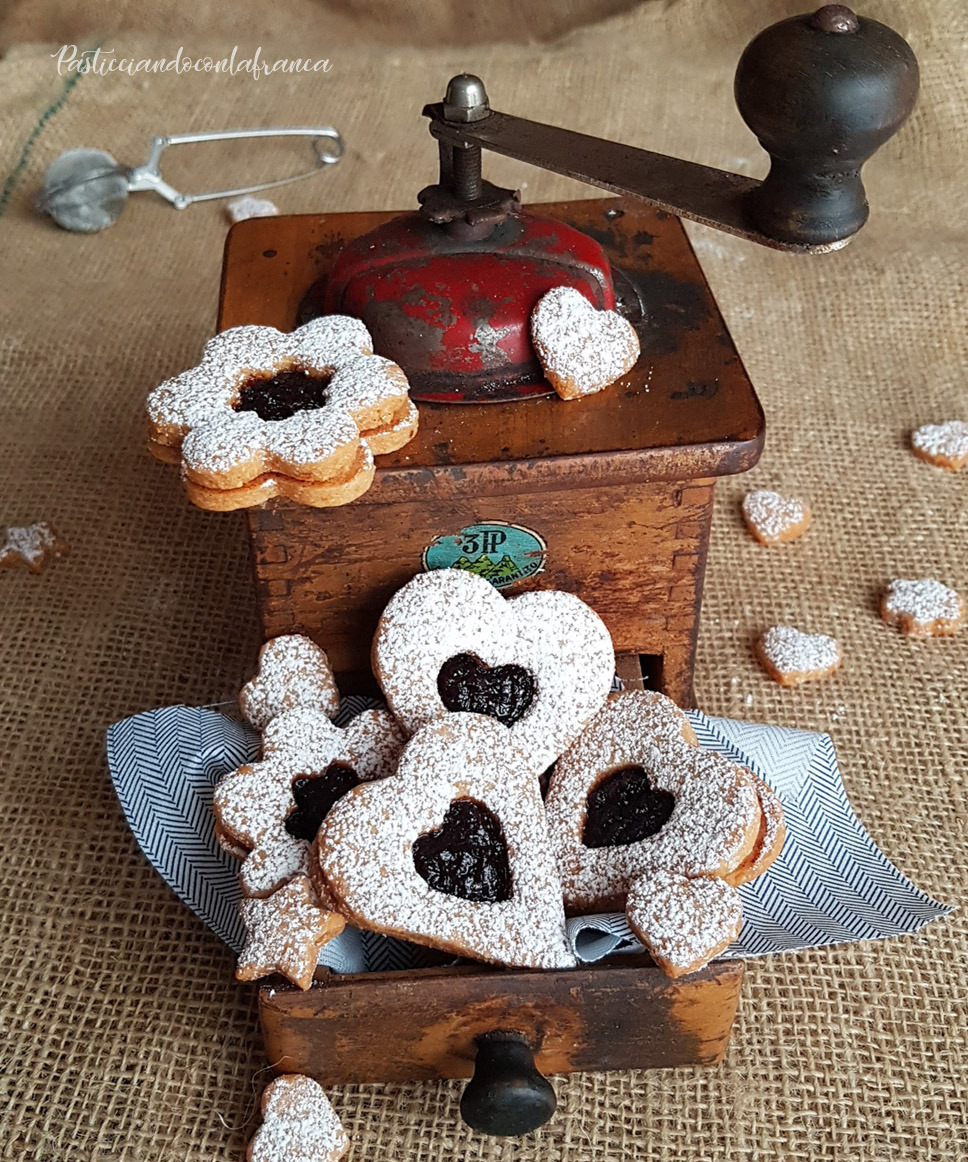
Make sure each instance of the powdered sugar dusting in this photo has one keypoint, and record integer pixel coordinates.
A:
(365, 848)
(683, 922)
(773, 518)
(300, 1124)
(555, 636)
(798, 656)
(923, 607)
(225, 448)
(285, 932)
(943, 444)
(581, 349)
(293, 671)
(713, 823)
(253, 802)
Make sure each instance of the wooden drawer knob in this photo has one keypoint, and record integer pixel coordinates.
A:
(507, 1096)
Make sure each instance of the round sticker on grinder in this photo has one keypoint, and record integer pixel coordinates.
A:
(499, 552)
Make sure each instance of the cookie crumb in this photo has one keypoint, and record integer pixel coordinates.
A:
(923, 608)
(792, 657)
(32, 545)
(239, 209)
(944, 445)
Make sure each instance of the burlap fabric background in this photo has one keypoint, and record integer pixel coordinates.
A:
(124, 1033)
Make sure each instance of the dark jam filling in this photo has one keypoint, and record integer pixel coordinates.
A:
(625, 808)
(466, 856)
(315, 794)
(286, 393)
(503, 692)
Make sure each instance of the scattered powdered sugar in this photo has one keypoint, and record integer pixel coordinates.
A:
(946, 444)
(285, 932)
(712, 823)
(683, 922)
(365, 849)
(30, 545)
(581, 349)
(293, 671)
(300, 1124)
(794, 654)
(556, 637)
(923, 607)
(240, 209)
(253, 802)
(773, 518)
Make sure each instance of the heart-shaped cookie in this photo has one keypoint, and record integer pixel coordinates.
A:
(272, 809)
(293, 671)
(683, 922)
(581, 349)
(453, 851)
(774, 519)
(299, 1124)
(449, 640)
(642, 744)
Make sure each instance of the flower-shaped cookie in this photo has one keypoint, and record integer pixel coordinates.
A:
(633, 794)
(267, 413)
(273, 808)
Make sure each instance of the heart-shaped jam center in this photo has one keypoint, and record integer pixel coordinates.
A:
(504, 692)
(624, 808)
(283, 394)
(466, 856)
(315, 794)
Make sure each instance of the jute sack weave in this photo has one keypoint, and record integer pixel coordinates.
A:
(126, 1036)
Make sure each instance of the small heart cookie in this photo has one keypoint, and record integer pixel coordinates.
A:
(580, 348)
(541, 663)
(273, 808)
(293, 671)
(944, 445)
(634, 793)
(683, 922)
(453, 851)
(299, 1124)
(923, 608)
(791, 657)
(774, 519)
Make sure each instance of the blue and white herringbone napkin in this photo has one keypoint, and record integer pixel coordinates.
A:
(829, 885)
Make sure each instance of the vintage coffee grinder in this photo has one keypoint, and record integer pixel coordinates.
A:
(609, 497)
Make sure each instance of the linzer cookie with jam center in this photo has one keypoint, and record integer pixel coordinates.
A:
(541, 663)
(271, 810)
(634, 793)
(269, 414)
(453, 851)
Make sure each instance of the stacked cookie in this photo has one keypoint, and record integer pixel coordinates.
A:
(426, 821)
(298, 415)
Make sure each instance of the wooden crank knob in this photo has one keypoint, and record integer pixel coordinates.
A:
(822, 92)
(507, 1096)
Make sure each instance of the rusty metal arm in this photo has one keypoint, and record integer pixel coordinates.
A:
(698, 192)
